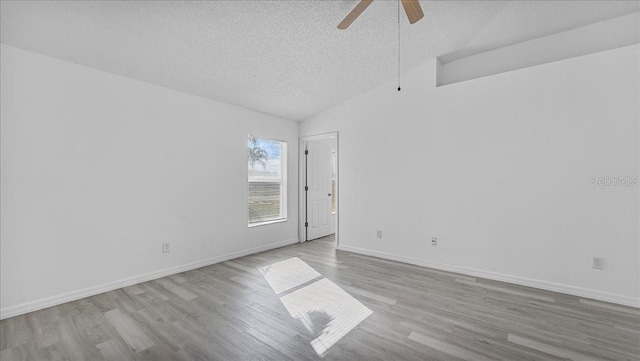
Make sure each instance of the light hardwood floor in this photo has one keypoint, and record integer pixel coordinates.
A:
(228, 311)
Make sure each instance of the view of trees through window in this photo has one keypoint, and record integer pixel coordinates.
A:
(266, 161)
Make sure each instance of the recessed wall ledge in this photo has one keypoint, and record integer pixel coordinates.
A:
(597, 37)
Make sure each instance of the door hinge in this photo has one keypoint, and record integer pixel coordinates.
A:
(306, 224)
(306, 188)
(306, 151)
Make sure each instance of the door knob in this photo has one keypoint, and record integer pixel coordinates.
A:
(329, 194)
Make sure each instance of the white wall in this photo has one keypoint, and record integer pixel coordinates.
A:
(99, 170)
(498, 169)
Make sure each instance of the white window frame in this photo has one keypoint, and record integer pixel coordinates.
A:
(270, 179)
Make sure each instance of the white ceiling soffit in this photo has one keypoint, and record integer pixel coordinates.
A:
(530, 20)
(285, 58)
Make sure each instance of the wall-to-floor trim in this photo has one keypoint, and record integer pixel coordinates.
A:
(545, 285)
(110, 286)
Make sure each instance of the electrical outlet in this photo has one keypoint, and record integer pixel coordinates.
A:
(378, 234)
(598, 263)
(434, 241)
(165, 248)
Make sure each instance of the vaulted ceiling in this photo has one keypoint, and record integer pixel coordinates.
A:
(282, 57)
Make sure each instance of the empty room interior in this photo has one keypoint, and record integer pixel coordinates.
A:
(320, 180)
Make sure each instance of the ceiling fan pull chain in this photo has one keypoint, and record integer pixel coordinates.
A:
(398, 45)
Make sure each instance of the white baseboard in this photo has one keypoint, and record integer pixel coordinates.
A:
(110, 286)
(545, 285)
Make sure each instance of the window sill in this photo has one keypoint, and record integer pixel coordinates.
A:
(251, 225)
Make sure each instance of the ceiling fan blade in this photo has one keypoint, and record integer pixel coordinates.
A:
(413, 10)
(353, 15)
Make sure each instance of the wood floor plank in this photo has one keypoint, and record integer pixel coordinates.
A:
(550, 349)
(161, 352)
(371, 295)
(506, 290)
(129, 330)
(72, 345)
(25, 351)
(43, 329)
(113, 350)
(446, 348)
(50, 353)
(14, 332)
(609, 306)
(240, 266)
(177, 289)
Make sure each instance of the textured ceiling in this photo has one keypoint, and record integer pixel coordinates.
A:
(286, 57)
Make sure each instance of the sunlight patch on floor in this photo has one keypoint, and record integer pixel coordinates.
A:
(325, 309)
(288, 274)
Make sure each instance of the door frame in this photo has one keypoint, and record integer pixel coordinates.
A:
(302, 142)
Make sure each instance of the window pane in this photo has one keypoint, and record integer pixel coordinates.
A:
(264, 201)
(266, 161)
(264, 158)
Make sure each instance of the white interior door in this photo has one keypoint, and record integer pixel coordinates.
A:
(319, 195)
